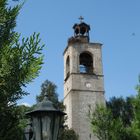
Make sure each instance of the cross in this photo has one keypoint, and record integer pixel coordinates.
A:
(81, 18)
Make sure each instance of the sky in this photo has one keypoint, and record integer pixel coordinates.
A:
(114, 23)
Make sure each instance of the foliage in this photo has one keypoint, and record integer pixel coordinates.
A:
(104, 126)
(122, 108)
(12, 123)
(68, 134)
(7, 22)
(48, 89)
(134, 129)
(22, 109)
(20, 62)
(19, 65)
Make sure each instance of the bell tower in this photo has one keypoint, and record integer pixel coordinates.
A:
(83, 80)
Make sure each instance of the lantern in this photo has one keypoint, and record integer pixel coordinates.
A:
(45, 121)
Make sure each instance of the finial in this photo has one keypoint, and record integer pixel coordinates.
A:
(81, 19)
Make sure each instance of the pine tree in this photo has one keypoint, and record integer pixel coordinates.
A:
(20, 62)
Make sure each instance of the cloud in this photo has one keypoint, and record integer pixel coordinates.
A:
(26, 104)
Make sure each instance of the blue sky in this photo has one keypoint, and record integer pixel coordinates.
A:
(114, 23)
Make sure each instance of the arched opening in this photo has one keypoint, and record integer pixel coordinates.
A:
(85, 63)
(67, 66)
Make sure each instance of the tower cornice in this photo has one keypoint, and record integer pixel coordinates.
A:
(96, 44)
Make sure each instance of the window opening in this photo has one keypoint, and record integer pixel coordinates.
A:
(86, 63)
(67, 66)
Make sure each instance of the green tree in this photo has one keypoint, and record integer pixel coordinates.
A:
(134, 129)
(20, 62)
(104, 126)
(48, 89)
(111, 122)
(22, 109)
(122, 108)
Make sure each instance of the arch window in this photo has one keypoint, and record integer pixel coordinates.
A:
(85, 63)
(67, 66)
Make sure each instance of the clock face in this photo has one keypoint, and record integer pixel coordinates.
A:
(88, 85)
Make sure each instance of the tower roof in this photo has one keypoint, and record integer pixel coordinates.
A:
(81, 29)
(81, 25)
(81, 32)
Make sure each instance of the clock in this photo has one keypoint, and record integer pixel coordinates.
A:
(88, 85)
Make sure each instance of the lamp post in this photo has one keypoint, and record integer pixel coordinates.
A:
(45, 120)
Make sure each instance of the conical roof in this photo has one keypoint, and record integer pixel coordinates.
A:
(44, 106)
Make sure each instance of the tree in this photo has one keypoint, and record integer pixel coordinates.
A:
(20, 62)
(111, 122)
(134, 129)
(22, 109)
(48, 89)
(122, 108)
(104, 126)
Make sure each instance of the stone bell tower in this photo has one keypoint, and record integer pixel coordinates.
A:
(83, 80)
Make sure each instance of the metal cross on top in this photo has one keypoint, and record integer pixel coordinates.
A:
(81, 18)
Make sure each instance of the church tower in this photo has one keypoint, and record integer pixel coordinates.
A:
(83, 80)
